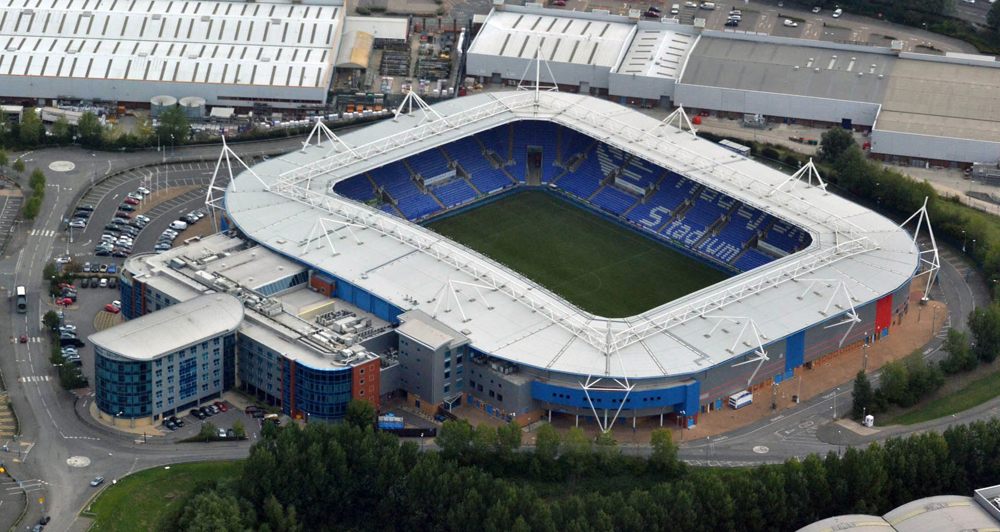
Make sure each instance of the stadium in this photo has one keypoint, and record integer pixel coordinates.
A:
(547, 204)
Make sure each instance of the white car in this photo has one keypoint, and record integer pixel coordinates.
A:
(837, 12)
(78, 224)
(69, 327)
(817, 9)
(791, 23)
(143, 190)
(117, 304)
(178, 225)
(142, 218)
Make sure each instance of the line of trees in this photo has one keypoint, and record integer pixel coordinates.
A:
(350, 477)
(71, 376)
(33, 204)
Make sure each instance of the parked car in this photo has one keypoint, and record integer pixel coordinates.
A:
(86, 267)
(221, 406)
(65, 301)
(790, 23)
(85, 207)
(85, 282)
(68, 327)
(97, 481)
(222, 434)
(78, 223)
(178, 225)
(169, 425)
(131, 201)
(112, 309)
(113, 282)
(197, 413)
(126, 207)
(143, 190)
(112, 268)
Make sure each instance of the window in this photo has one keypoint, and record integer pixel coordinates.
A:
(500, 397)
(446, 388)
(492, 394)
(447, 374)
(458, 360)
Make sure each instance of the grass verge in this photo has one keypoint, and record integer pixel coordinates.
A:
(975, 393)
(595, 264)
(148, 500)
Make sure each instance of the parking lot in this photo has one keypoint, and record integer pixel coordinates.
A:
(222, 420)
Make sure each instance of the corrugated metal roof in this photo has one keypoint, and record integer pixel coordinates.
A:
(657, 53)
(166, 40)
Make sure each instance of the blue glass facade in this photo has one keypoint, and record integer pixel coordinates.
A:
(322, 394)
(123, 388)
(284, 284)
(683, 397)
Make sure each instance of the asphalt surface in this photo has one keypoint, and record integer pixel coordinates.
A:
(60, 448)
(52, 432)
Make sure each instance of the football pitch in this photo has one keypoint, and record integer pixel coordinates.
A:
(595, 264)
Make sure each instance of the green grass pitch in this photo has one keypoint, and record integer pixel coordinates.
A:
(595, 264)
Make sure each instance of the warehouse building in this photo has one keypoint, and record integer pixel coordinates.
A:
(919, 109)
(227, 53)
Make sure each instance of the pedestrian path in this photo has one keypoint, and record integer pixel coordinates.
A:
(42, 232)
(35, 378)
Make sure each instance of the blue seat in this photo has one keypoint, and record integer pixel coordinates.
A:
(751, 259)
(357, 188)
(614, 200)
(455, 192)
(429, 163)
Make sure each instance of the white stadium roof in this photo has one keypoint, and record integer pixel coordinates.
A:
(855, 257)
(263, 44)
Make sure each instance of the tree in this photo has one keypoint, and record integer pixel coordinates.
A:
(960, 356)
(894, 385)
(864, 396)
(51, 320)
(37, 181)
(454, 438)
(663, 460)
(984, 322)
(208, 432)
(993, 18)
(239, 430)
(31, 131)
(576, 449)
(546, 442)
(211, 511)
(174, 126)
(4, 158)
(508, 438)
(32, 207)
(360, 414)
(90, 130)
(61, 130)
(50, 271)
(18, 166)
(834, 143)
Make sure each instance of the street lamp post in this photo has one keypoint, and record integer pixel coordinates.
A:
(835, 392)
(963, 241)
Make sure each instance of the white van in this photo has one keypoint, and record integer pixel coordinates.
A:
(675, 9)
(707, 5)
(739, 400)
(837, 12)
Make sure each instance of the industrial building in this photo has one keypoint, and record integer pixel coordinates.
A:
(225, 53)
(335, 282)
(919, 109)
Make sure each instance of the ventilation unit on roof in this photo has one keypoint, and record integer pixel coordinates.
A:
(193, 56)
(143, 54)
(265, 59)
(275, 21)
(28, 12)
(12, 48)
(157, 16)
(206, 18)
(87, 14)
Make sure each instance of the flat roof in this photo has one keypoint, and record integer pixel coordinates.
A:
(392, 28)
(203, 41)
(656, 53)
(943, 99)
(172, 328)
(517, 33)
(765, 66)
(422, 328)
(280, 202)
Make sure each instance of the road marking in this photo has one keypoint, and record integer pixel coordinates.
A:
(41, 232)
(34, 378)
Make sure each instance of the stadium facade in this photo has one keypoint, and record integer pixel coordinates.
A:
(919, 108)
(333, 230)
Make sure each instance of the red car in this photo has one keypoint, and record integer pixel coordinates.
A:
(24, 339)
(222, 406)
(131, 201)
(64, 301)
(67, 285)
(112, 309)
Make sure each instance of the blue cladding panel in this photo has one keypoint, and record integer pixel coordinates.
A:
(795, 348)
(363, 299)
(345, 291)
(681, 397)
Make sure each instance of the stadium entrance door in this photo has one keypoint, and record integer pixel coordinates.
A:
(533, 173)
